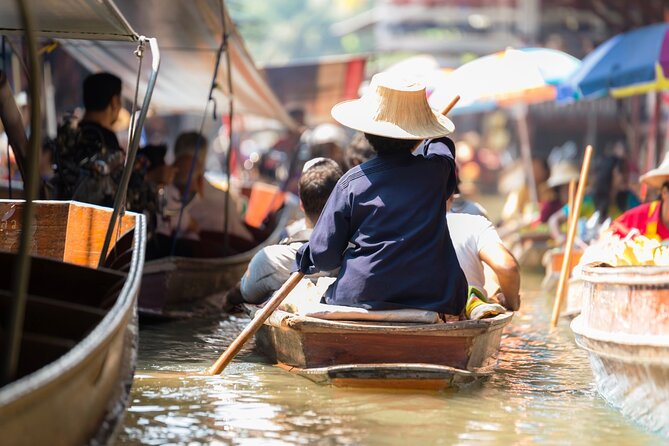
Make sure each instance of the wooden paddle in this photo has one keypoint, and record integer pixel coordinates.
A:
(571, 235)
(450, 105)
(260, 317)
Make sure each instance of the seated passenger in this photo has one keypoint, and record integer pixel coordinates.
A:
(185, 149)
(609, 197)
(384, 222)
(476, 242)
(271, 266)
(649, 219)
(90, 159)
(561, 175)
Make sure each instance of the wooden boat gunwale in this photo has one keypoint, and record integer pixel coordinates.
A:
(650, 276)
(307, 323)
(70, 362)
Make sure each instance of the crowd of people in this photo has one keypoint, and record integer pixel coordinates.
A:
(382, 209)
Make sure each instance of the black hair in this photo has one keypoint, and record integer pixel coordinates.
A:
(316, 184)
(601, 189)
(358, 151)
(188, 142)
(384, 145)
(155, 154)
(99, 89)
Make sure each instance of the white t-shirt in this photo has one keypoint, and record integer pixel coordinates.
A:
(470, 235)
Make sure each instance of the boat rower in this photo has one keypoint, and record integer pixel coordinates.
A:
(384, 223)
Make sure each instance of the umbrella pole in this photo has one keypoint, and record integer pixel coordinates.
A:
(525, 151)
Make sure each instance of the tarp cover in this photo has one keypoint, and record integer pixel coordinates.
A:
(73, 19)
(189, 34)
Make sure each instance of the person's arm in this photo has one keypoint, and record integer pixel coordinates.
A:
(267, 271)
(330, 237)
(443, 150)
(440, 147)
(554, 222)
(505, 266)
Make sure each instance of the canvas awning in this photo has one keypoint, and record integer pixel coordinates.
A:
(73, 19)
(189, 34)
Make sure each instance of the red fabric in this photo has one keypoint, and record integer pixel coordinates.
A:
(638, 218)
(355, 74)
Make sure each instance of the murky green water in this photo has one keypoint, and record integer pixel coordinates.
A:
(543, 393)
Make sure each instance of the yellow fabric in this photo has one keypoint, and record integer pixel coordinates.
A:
(660, 83)
(651, 224)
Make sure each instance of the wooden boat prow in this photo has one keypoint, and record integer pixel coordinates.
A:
(80, 333)
(381, 354)
(624, 327)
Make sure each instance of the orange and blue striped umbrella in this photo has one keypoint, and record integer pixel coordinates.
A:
(526, 75)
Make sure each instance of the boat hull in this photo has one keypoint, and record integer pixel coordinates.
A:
(80, 397)
(171, 286)
(381, 354)
(624, 327)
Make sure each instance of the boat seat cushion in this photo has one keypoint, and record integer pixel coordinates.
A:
(305, 300)
(342, 313)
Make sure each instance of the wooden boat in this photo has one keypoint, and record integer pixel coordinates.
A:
(371, 354)
(624, 326)
(552, 262)
(79, 339)
(172, 285)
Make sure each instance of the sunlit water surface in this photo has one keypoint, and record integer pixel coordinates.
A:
(542, 393)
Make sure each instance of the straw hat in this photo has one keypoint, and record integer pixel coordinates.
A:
(393, 107)
(658, 176)
(562, 173)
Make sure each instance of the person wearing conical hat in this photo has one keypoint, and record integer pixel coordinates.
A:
(384, 224)
(562, 174)
(649, 219)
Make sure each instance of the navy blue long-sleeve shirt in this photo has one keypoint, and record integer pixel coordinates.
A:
(384, 226)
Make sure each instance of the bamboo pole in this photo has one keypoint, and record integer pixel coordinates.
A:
(571, 235)
(450, 105)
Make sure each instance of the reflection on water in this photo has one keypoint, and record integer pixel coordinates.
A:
(543, 393)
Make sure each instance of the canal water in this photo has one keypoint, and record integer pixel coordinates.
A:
(542, 393)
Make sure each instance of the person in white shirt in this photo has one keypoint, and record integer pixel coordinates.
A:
(476, 242)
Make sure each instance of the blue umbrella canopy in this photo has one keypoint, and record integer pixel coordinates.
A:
(630, 63)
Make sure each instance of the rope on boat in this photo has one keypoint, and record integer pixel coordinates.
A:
(228, 155)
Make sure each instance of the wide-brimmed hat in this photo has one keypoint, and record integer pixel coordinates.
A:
(562, 173)
(658, 176)
(393, 107)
